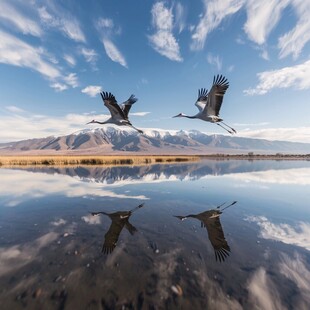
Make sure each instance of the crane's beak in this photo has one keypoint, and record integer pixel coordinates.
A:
(176, 116)
(89, 123)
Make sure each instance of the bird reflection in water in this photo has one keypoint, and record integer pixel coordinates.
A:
(119, 220)
(211, 221)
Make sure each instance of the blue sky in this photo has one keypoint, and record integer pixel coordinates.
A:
(55, 56)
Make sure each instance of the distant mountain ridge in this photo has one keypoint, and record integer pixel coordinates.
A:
(111, 140)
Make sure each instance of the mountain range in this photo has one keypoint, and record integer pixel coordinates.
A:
(111, 140)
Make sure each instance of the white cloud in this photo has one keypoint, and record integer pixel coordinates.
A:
(89, 54)
(180, 16)
(59, 86)
(40, 126)
(91, 90)
(62, 21)
(163, 40)
(105, 23)
(16, 18)
(296, 76)
(69, 59)
(16, 52)
(294, 41)
(262, 17)
(297, 134)
(215, 61)
(299, 235)
(215, 11)
(139, 113)
(14, 109)
(113, 53)
(72, 80)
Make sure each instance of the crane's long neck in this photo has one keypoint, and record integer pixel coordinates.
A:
(187, 116)
(101, 123)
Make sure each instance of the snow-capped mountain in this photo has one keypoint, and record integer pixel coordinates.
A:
(108, 140)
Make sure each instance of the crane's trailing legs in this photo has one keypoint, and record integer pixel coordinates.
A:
(232, 131)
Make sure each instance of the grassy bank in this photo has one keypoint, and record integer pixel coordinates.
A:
(91, 160)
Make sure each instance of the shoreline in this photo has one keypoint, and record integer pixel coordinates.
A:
(116, 160)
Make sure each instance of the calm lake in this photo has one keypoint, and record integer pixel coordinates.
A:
(231, 234)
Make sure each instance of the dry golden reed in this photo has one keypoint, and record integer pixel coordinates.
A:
(90, 160)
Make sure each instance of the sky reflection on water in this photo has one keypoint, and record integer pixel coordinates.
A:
(79, 237)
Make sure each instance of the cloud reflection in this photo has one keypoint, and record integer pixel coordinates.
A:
(19, 255)
(18, 186)
(299, 235)
(263, 293)
(295, 270)
(300, 176)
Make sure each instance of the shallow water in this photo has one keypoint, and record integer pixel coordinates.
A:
(213, 234)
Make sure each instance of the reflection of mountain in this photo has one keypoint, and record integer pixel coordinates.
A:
(119, 220)
(211, 221)
(110, 140)
(122, 175)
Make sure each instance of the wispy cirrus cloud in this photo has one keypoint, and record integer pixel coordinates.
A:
(16, 52)
(72, 80)
(139, 113)
(90, 55)
(180, 16)
(294, 41)
(59, 87)
(54, 17)
(14, 109)
(70, 59)
(113, 53)
(297, 76)
(262, 17)
(163, 40)
(91, 90)
(16, 18)
(214, 12)
(107, 29)
(215, 61)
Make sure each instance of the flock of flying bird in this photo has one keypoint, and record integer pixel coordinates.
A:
(208, 104)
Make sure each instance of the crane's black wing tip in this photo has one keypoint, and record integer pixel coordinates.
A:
(202, 94)
(107, 96)
(132, 99)
(222, 254)
(220, 80)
